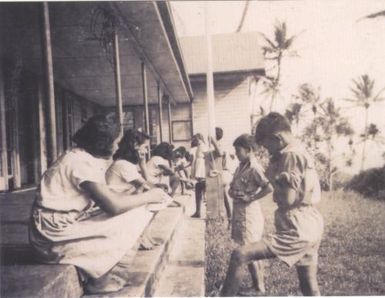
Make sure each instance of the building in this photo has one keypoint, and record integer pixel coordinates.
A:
(63, 62)
(237, 64)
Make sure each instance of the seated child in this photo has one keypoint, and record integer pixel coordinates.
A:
(248, 185)
(181, 166)
(299, 225)
(158, 168)
(123, 174)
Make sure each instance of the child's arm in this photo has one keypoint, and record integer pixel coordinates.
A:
(166, 170)
(117, 203)
(217, 148)
(260, 184)
(265, 190)
(141, 182)
(289, 180)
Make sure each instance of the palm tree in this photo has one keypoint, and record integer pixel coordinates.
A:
(309, 95)
(364, 97)
(325, 128)
(275, 50)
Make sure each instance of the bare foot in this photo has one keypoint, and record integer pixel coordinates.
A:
(196, 215)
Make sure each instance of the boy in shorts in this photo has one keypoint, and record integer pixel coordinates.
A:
(299, 225)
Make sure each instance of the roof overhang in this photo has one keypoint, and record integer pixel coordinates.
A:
(82, 65)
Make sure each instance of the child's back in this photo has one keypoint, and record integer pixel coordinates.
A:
(121, 174)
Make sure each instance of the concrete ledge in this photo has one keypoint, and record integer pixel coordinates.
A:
(185, 274)
(148, 265)
(23, 276)
(39, 281)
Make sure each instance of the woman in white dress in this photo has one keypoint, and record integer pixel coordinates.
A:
(77, 219)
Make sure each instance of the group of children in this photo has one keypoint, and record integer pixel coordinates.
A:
(88, 214)
(292, 178)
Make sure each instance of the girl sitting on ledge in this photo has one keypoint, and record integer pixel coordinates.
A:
(77, 219)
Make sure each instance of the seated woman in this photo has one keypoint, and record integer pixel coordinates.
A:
(124, 173)
(77, 219)
(158, 168)
(123, 176)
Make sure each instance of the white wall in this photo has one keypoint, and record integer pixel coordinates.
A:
(232, 109)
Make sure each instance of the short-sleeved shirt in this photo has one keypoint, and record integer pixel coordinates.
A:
(248, 178)
(298, 166)
(60, 185)
(121, 174)
(154, 169)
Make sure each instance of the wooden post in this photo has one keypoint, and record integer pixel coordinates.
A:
(42, 128)
(209, 77)
(160, 107)
(169, 120)
(214, 184)
(145, 100)
(3, 135)
(118, 82)
(50, 89)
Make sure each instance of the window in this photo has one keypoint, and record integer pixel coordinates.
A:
(181, 130)
(128, 120)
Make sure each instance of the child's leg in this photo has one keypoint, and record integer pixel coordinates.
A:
(199, 191)
(174, 184)
(241, 256)
(256, 270)
(228, 206)
(307, 276)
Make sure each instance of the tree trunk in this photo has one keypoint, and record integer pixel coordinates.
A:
(276, 81)
(330, 168)
(365, 139)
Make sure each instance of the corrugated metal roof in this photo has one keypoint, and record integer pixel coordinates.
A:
(231, 52)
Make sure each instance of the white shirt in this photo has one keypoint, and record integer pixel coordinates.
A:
(120, 175)
(154, 171)
(60, 185)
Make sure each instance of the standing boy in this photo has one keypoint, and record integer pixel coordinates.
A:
(299, 225)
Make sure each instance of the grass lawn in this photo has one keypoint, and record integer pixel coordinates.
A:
(351, 256)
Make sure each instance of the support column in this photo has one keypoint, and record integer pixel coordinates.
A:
(145, 99)
(50, 89)
(42, 128)
(3, 135)
(169, 121)
(160, 107)
(214, 184)
(118, 83)
(209, 77)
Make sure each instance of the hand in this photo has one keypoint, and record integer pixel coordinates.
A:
(282, 179)
(156, 195)
(241, 197)
(142, 153)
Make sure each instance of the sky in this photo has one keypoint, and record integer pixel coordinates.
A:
(334, 45)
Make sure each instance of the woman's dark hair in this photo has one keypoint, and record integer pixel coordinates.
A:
(180, 152)
(270, 124)
(164, 150)
(126, 147)
(245, 141)
(195, 138)
(97, 135)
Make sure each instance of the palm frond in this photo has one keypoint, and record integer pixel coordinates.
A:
(377, 96)
(375, 15)
(268, 41)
